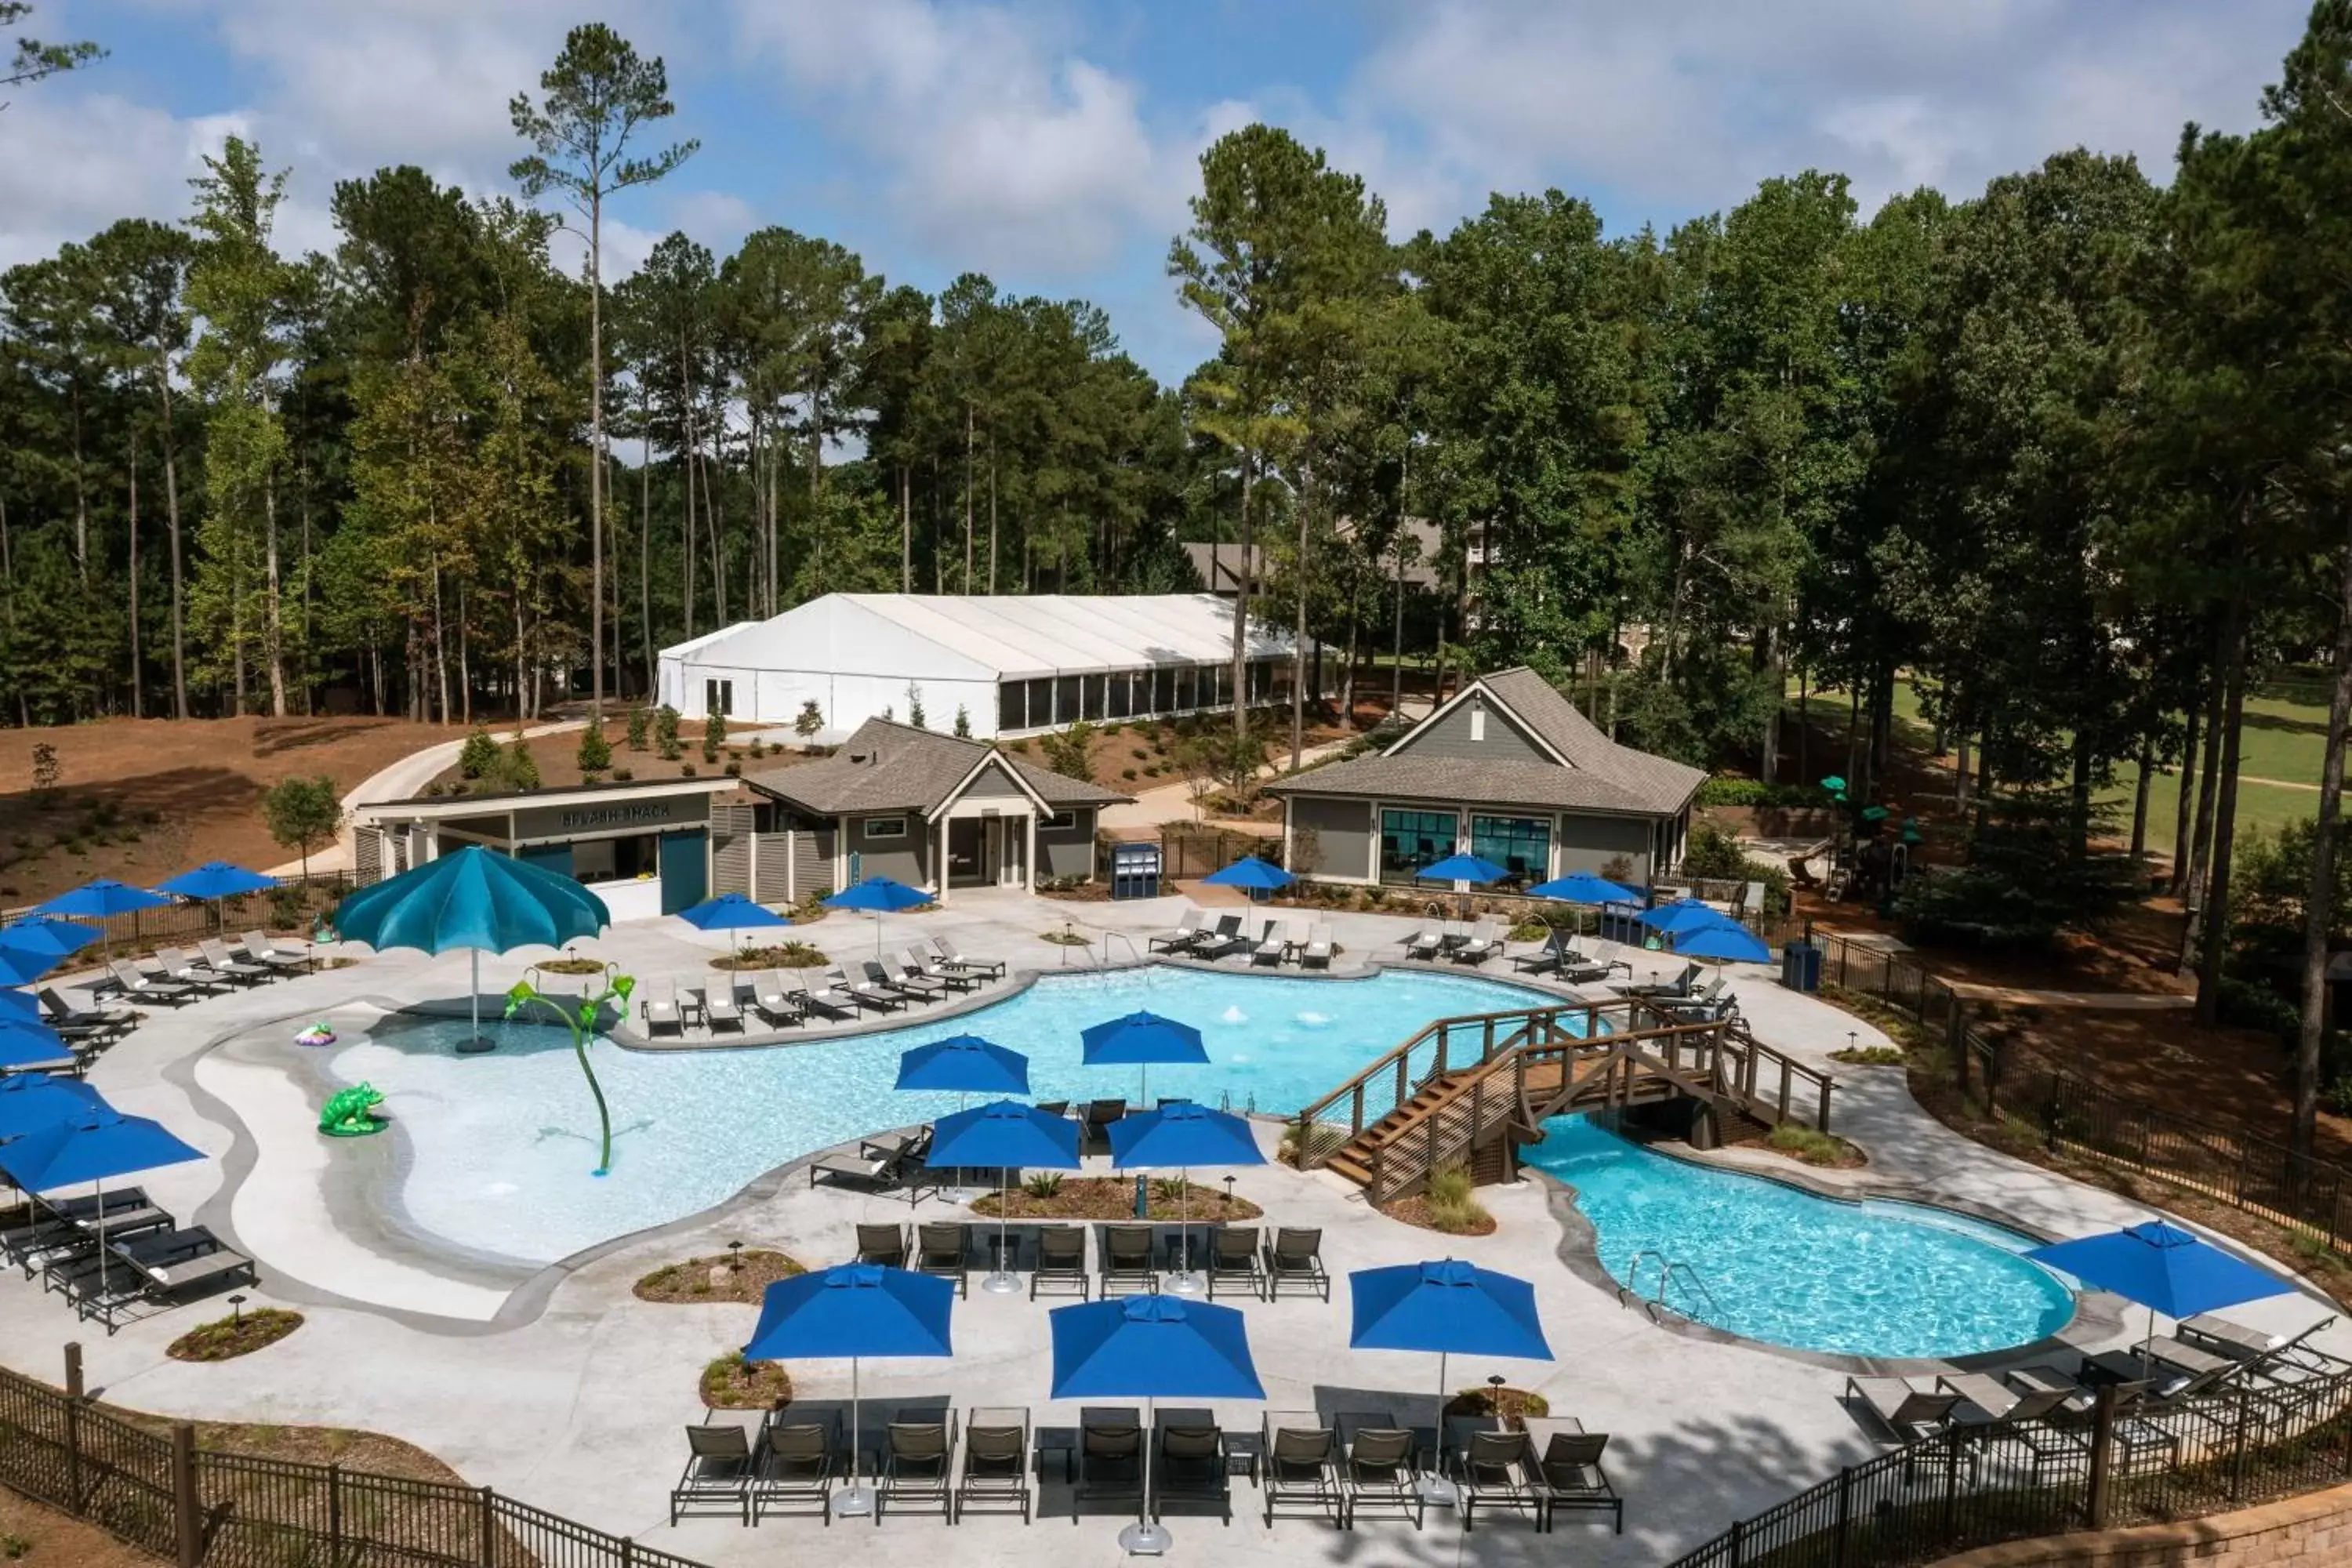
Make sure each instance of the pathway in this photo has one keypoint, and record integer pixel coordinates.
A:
(1163, 804)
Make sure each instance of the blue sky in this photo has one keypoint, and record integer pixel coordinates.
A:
(1053, 144)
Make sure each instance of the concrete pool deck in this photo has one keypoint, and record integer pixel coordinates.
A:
(559, 1388)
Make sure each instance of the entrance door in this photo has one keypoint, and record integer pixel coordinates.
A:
(685, 875)
(1013, 834)
(967, 852)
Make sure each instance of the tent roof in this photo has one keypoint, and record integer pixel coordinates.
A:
(985, 636)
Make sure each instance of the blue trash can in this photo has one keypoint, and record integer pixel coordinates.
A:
(1801, 966)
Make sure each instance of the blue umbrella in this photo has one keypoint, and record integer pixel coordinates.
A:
(22, 966)
(882, 896)
(98, 1144)
(854, 1309)
(1010, 1136)
(97, 899)
(24, 1046)
(1584, 888)
(217, 880)
(29, 1101)
(17, 1007)
(1139, 1039)
(1450, 1307)
(477, 899)
(1250, 872)
(731, 912)
(1728, 941)
(1179, 1137)
(1683, 914)
(1462, 869)
(49, 938)
(2163, 1269)
(966, 1064)
(1151, 1348)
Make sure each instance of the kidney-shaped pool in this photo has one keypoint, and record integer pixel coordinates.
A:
(1774, 1263)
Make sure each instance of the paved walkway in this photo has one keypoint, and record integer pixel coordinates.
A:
(1173, 802)
(558, 1387)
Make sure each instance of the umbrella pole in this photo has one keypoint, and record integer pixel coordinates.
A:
(856, 1502)
(1147, 1537)
(474, 1045)
(1434, 1488)
(1001, 1282)
(1186, 1282)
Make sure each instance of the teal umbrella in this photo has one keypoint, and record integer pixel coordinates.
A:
(477, 899)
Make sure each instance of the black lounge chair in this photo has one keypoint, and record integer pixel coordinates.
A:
(1299, 1472)
(1188, 930)
(778, 1005)
(890, 1164)
(1094, 1125)
(1317, 953)
(718, 1475)
(661, 1013)
(1376, 1470)
(1110, 1457)
(1904, 1409)
(865, 993)
(80, 1023)
(1234, 1263)
(1680, 986)
(1061, 1260)
(882, 1243)
(797, 1459)
(1226, 938)
(141, 986)
(832, 1005)
(260, 949)
(994, 968)
(877, 974)
(1293, 1258)
(911, 981)
(918, 1467)
(1126, 1261)
(931, 966)
(1191, 1465)
(1568, 1463)
(940, 1249)
(217, 957)
(995, 1469)
(1495, 1468)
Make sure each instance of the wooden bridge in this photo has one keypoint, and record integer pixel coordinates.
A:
(1469, 1091)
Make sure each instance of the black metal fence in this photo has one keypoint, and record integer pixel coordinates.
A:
(287, 905)
(204, 1509)
(1195, 850)
(2111, 1465)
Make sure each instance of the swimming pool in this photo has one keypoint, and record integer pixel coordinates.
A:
(1876, 1278)
(500, 1146)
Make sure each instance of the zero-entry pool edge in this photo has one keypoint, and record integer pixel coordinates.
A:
(2094, 1318)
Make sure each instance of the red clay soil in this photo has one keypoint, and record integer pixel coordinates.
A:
(182, 792)
(558, 757)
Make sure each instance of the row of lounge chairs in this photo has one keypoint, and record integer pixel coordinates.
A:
(1339, 1469)
(897, 1161)
(1310, 946)
(111, 1254)
(1235, 1259)
(927, 974)
(175, 978)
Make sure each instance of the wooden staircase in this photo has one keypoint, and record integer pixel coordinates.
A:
(1464, 1090)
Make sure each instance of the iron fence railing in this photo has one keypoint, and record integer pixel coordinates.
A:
(205, 1509)
(290, 903)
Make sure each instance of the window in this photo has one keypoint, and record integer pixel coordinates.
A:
(1040, 703)
(1188, 689)
(1221, 683)
(1009, 706)
(719, 697)
(1122, 695)
(1521, 843)
(1059, 821)
(886, 827)
(1163, 692)
(1092, 696)
(1066, 700)
(1477, 717)
(1411, 839)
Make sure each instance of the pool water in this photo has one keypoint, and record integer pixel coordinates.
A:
(501, 1146)
(1777, 1264)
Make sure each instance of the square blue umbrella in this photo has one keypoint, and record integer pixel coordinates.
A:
(1462, 869)
(17, 1007)
(2162, 1268)
(880, 895)
(99, 898)
(52, 938)
(853, 1310)
(965, 1064)
(731, 912)
(1450, 1307)
(1685, 915)
(22, 966)
(24, 1045)
(1584, 888)
(96, 1146)
(1011, 1137)
(30, 1101)
(1252, 874)
(217, 880)
(1151, 1348)
(1140, 1039)
(1178, 1137)
(1732, 943)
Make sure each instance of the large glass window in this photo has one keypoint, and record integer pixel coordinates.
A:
(1188, 689)
(1122, 695)
(1520, 843)
(1009, 705)
(1066, 700)
(1041, 703)
(1411, 839)
(1093, 697)
(1163, 691)
(1222, 688)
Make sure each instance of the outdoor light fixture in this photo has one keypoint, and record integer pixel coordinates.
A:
(735, 1255)
(236, 1309)
(1229, 1189)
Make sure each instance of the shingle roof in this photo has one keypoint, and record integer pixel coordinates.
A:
(888, 766)
(1602, 776)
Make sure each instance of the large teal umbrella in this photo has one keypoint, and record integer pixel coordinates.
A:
(477, 899)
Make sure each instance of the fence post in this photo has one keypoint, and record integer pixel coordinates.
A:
(1845, 1516)
(628, 1552)
(490, 1527)
(2237, 1446)
(2102, 1443)
(186, 1516)
(73, 1424)
(1738, 1543)
(335, 1512)
(2050, 1112)
(73, 1369)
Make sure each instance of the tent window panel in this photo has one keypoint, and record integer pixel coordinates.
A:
(1187, 690)
(1122, 695)
(1093, 696)
(719, 697)
(1009, 705)
(1040, 703)
(1163, 692)
(1066, 700)
(1223, 686)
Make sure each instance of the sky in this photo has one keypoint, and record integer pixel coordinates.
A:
(1053, 144)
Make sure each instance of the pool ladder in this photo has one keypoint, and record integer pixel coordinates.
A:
(1694, 1289)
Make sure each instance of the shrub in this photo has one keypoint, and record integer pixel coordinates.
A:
(2025, 880)
(478, 757)
(47, 772)
(595, 753)
(1712, 854)
(1070, 752)
(962, 723)
(734, 770)
(1755, 792)
(1451, 1184)
(1042, 1184)
(517, 769)
(625, 775)
(302, 813)
(686, 771)
(665, 744)
(714, 736)
(1127, 773)
(811, 719)
(639, 721)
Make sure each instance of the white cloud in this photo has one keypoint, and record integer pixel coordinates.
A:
(73, 167)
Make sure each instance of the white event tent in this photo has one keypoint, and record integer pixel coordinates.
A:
(1014, 664)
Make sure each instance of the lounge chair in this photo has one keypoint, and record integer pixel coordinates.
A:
(1061, 1260)
(991, 967)
(1989, 1401)
(2274, 1357)
(797, 1462)
(159, 1265)
(720, 1008)
(1548, 959)
(1485, 941)
(865, 993)
(1189, 929)
(141, 986)
(1293, 1258)
(995, 1469)
(1317, 953)
(1272, 947)
(1299, 1471)
(909, 981)
(718, 1475)
(1680, 986)
(1058, 1108)
(1234, 1261)
(1191, 1465)
(882, 1243)
(918, 1467)
(940, 1249)
(1110, 1456)
(1705, 996)
(69, 1020)
(1569, 1465)
(1582, 968)
(1427, 943)
(177, 964)
(47, 1217)
(221, 961)
(1497, 1467)
(1127, 1259)
(1376, 1469)
(777, 1004)
(1094, 1127)
(901, 1167)
(917, 989)
(286, 953)
(931, 966)
(831, 1004)
(1905, 1410)
(662, 1013)
(1226, 940)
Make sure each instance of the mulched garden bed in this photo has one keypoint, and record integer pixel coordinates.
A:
(224, 1339)
(718, 1277)
(1510, 1404)
(730, 1382)
(781, 955)
(1113, 1198)
(1418, 1211)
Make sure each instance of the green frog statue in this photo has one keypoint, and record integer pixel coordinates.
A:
(581, 1014)
(350, 1113)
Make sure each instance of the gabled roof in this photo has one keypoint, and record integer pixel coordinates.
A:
(1593, 773)
(889, 766)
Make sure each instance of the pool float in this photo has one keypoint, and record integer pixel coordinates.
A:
(315, 1034)
(350, 1113)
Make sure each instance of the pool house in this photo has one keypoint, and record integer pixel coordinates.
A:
(1508, 770)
